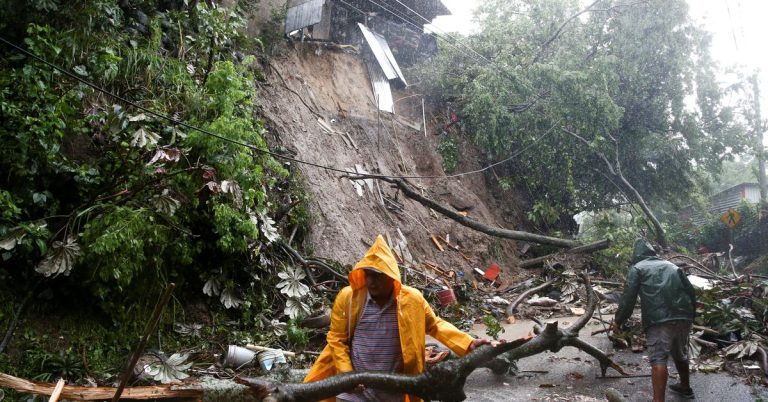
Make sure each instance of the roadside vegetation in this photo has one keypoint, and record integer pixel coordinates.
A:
(163, 172)
(102, 205)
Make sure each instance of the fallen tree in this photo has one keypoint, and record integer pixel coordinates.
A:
(443, 381)
(585, 249)
(409, 192)
(78, 393)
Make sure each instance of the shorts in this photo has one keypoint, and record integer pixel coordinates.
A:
(668, 338)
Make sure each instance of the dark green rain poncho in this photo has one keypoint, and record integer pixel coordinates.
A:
(665, 292)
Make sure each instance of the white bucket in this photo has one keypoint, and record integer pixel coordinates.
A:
(238, 357)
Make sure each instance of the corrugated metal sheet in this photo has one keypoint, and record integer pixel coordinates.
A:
(382, 92)
(383, 54)
(391, 57)
(733, 196)
(304, 15)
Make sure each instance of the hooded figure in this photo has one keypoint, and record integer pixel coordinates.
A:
(414, 318)
(664, 289)
(668, 307)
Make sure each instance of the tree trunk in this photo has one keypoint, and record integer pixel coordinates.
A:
(585, 249)
(629, 190)
(470, 223)
(759, 147)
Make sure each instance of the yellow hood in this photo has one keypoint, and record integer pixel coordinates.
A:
(380, 258)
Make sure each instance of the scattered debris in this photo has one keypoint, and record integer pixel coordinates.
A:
(542, 301)
(492, 272)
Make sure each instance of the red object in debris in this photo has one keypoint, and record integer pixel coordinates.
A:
(446, 297)
(492, 272)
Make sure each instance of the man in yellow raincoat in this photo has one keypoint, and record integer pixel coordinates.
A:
(379, 324)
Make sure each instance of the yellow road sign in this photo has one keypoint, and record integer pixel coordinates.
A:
(731, 217)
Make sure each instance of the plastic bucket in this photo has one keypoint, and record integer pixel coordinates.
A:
(446, 297)
(238, 357)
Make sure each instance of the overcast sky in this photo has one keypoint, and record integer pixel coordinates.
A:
(739, 29)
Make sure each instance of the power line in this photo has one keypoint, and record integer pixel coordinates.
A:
(502, 68)
(443, 32)
(412, 23)
(247, 145)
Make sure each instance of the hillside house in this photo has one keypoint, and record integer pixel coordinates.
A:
(391, 33)
(732, 197)
(722, 201)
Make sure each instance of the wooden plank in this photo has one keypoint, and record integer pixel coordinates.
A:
(57, 391)
(437, 243)
(78, 393)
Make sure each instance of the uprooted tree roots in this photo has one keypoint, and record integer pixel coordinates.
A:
(443, 381)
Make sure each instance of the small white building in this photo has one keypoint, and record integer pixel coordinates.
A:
(732, 197)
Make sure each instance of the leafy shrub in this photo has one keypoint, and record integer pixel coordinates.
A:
(621, 228)
(449, 151)
(111, 203)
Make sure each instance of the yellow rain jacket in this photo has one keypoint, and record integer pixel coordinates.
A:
(415, 319)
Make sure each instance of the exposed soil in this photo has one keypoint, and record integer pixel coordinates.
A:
(334, 86)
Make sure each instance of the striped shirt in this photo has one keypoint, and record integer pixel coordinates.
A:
(376, 347)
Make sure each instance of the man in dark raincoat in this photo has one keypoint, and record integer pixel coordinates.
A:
(668, 306)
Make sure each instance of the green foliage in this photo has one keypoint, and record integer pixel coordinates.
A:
(543, 213)
(449, 151)
(297, 335)
(232, 229)
(603, 76)
(725, 311)
(716, 236)
(622, 228)
(492, 326)
(123, 241)
(122, 201)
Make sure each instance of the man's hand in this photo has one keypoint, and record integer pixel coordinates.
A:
(615, 327)
(479, 342)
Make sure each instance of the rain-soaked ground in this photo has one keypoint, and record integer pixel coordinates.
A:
(571, 375)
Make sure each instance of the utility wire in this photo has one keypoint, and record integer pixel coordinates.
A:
(412, 23)
(443, 32)
(502, 68)
(244, 144)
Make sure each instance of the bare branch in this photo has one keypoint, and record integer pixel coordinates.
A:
(443, 381)
(470, 223)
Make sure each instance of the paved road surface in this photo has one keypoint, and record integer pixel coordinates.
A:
(571, 376)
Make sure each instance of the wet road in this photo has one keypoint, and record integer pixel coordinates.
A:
(571, 375)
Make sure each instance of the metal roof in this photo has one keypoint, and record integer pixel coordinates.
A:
(382, 92)
(411, 10)
(304, 14)
(383, 54)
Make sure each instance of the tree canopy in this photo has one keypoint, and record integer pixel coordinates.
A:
(634, 81)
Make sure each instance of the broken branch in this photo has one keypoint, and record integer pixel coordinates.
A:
(445, 380)
(587, 248)
(525, 295)
(473, 224)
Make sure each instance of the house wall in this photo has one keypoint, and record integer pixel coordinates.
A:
(731, 197)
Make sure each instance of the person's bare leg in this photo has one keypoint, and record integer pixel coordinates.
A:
(683, 369)
(659, 381)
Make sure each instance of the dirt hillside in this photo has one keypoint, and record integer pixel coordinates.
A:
(309, 83)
